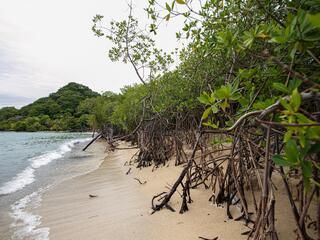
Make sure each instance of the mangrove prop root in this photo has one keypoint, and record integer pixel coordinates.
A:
(236, 173)
(241, 174)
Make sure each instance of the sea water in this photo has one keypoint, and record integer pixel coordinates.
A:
(30, 164)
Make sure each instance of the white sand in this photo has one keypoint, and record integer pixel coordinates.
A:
(122, 208)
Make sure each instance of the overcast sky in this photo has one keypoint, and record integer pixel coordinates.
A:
(44, 44)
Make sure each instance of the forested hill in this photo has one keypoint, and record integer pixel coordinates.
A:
(60, 111)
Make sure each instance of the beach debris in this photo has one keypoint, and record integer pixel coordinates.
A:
(128, 171)
(92, 141)
(203, 238)
(92, 195)
(144, 182)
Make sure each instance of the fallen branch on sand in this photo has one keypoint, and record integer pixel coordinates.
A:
(203, 238)
(144, 182)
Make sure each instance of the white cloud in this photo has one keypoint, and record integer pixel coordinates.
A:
(47, 43)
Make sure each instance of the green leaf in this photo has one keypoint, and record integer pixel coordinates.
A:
(223, 92)
(172, 4)
(214, 108)
(279, 39)
(294, 50)
(287, 136)
(291, 28)
(168, 7)
(247, 73)
(281, 87)
(293, 84)
(295, 100)
(302, 118)
(302, 137)
(244, 102)
(306, 172)
(212, 98)
(248, 39)
(204, 98)
(210, 124)
(206, 113)
(261, 105)
(181, 1)
(314, 133)
(281, 161)
(314, 19)
(235, 96)
(224, 105)
(286, 105)
(292, 152)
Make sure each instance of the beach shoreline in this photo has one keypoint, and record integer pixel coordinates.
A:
(31, 164)
(114, 202)
(121, 207)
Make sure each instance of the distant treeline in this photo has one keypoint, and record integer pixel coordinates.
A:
(75, 107)
(65, 110)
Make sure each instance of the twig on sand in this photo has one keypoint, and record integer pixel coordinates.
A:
(128, 171)
(203, 238)
(144, 182)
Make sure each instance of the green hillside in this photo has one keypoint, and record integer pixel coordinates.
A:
(60, 111)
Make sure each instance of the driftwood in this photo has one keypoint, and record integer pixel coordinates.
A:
(92, 141)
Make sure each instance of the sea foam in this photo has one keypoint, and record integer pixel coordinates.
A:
(22, 179)
(25, 222)
(27, 176)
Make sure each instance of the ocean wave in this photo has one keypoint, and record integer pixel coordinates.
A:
(18, 182)
(25, 223)
(27, 177)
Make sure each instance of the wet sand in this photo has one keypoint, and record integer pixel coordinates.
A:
(121, 209)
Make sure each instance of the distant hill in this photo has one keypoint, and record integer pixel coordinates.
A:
(58, 111)
(65, 100)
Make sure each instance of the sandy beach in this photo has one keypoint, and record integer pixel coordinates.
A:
(160, 120)
(121, 209)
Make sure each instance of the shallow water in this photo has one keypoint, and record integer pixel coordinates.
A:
(31, 163)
